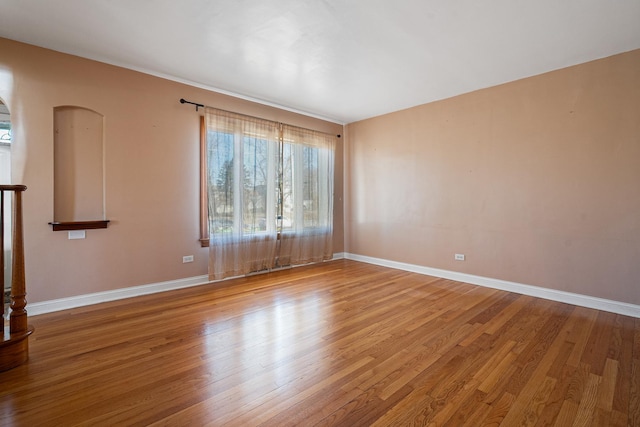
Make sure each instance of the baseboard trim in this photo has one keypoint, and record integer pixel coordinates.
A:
(43, 307)
(612, 306)
(617, 307)
(36, 308)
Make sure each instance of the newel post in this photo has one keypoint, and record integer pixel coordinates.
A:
(14, 346)
(18, 316)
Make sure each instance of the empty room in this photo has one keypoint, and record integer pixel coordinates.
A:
(332, 213)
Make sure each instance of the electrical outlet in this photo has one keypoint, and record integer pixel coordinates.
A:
(188, 258)
(459, 257)
(77, 234)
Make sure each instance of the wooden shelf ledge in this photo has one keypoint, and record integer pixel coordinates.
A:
(79, 225)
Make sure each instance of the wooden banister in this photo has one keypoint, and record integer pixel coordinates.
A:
(14, 345)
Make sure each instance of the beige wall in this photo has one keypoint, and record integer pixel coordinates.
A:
(151, 171)
(535, 181)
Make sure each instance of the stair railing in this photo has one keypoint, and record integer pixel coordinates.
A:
(14, 343)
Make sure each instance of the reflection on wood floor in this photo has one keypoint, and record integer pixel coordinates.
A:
(341, 343)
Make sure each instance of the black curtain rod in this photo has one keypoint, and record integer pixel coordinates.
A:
(184, 101)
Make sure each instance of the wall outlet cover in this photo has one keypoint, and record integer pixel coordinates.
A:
(77, 234)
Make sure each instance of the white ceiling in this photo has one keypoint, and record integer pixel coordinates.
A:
(342, 60)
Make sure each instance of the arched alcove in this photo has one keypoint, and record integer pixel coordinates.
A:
(78, 165)
(5, 144)
(5, 178)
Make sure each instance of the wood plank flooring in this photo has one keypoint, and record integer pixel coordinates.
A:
(337, 344)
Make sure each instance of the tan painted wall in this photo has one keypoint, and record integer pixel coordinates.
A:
(535, 181)
(151, 170)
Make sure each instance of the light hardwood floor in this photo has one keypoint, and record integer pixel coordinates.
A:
(342, 343)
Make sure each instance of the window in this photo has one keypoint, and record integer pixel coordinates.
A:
(267, 193)
(242, 196)
(304, 192)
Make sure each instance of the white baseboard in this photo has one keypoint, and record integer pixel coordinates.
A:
(88, 299)
(618, 307)
(36, 308)
(519, 288)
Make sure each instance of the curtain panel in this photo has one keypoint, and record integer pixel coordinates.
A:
(269, 194)
(307, 196)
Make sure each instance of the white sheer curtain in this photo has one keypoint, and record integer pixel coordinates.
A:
(270, 194)
(241, 166)
(307, 196)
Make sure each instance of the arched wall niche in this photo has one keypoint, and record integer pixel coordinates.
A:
(78, 155)
(5, 178)
(5, 144)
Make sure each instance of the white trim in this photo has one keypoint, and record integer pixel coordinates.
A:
(519, 288)
(43, 307)
(618, 307)
(88, 299)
